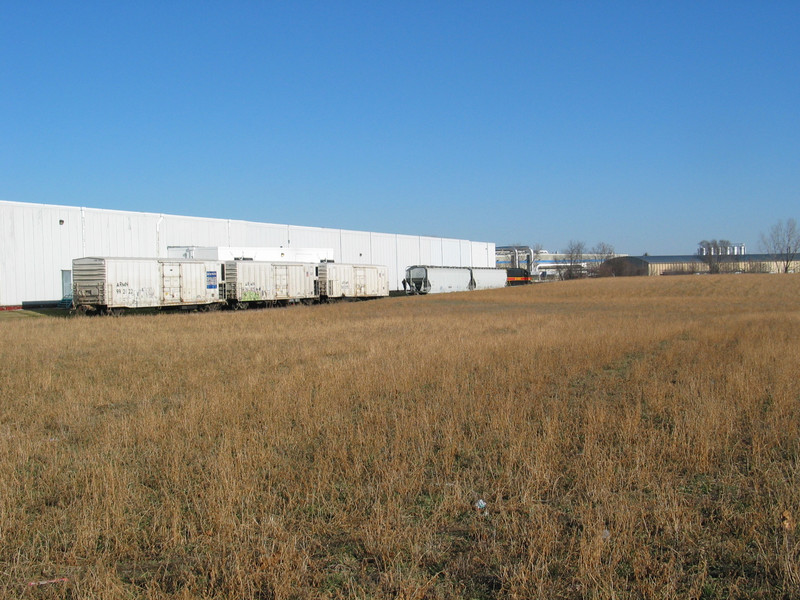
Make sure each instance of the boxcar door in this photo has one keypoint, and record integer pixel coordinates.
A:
(171, 282)
(361, 281)
(281, 282)
(193, 283)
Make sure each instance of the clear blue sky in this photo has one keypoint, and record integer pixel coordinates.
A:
(647, 125)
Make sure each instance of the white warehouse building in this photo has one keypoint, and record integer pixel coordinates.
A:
(39, 241)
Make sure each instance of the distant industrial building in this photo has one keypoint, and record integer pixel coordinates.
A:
(544, 265)
(39, 241)
(692, 263)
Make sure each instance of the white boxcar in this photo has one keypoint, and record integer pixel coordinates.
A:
(116, 282)
(437, 280)
(190, 282)
(119, 283)
(269, 282)
(337, 280)
(486, 278)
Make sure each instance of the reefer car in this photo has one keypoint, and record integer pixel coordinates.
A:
(110, 285)
(113, 284)
(339, 280)
(249, 283)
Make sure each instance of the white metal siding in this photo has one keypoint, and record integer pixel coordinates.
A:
(384, 252)
(407, 251)
(451, 252)
(257, 235)
(465, 252)
(117, 233)
(356, 248)
(431, 251)
(316, 237)
(483, 254)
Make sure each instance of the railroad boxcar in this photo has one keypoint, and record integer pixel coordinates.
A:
(339, 280)
(251, 283)
(113, 284)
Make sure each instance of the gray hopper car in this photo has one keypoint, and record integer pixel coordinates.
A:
(422, 279)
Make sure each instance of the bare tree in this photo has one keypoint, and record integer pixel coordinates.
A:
(572, 267)
(782, 244)
(711, 252)
(602, 252)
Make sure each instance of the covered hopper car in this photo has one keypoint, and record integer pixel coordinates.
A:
(423, 279)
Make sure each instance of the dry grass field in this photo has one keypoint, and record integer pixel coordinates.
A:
(630, 438)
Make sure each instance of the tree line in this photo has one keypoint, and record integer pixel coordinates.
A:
(781, 243)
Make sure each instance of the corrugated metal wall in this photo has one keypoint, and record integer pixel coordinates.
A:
(39, 241)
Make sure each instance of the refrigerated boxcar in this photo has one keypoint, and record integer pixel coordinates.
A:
(339, 280)
(269, 283)
(112, 284)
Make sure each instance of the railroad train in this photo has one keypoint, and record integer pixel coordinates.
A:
(105, 285)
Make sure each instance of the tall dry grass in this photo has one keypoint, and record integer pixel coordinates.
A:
(630, 438)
